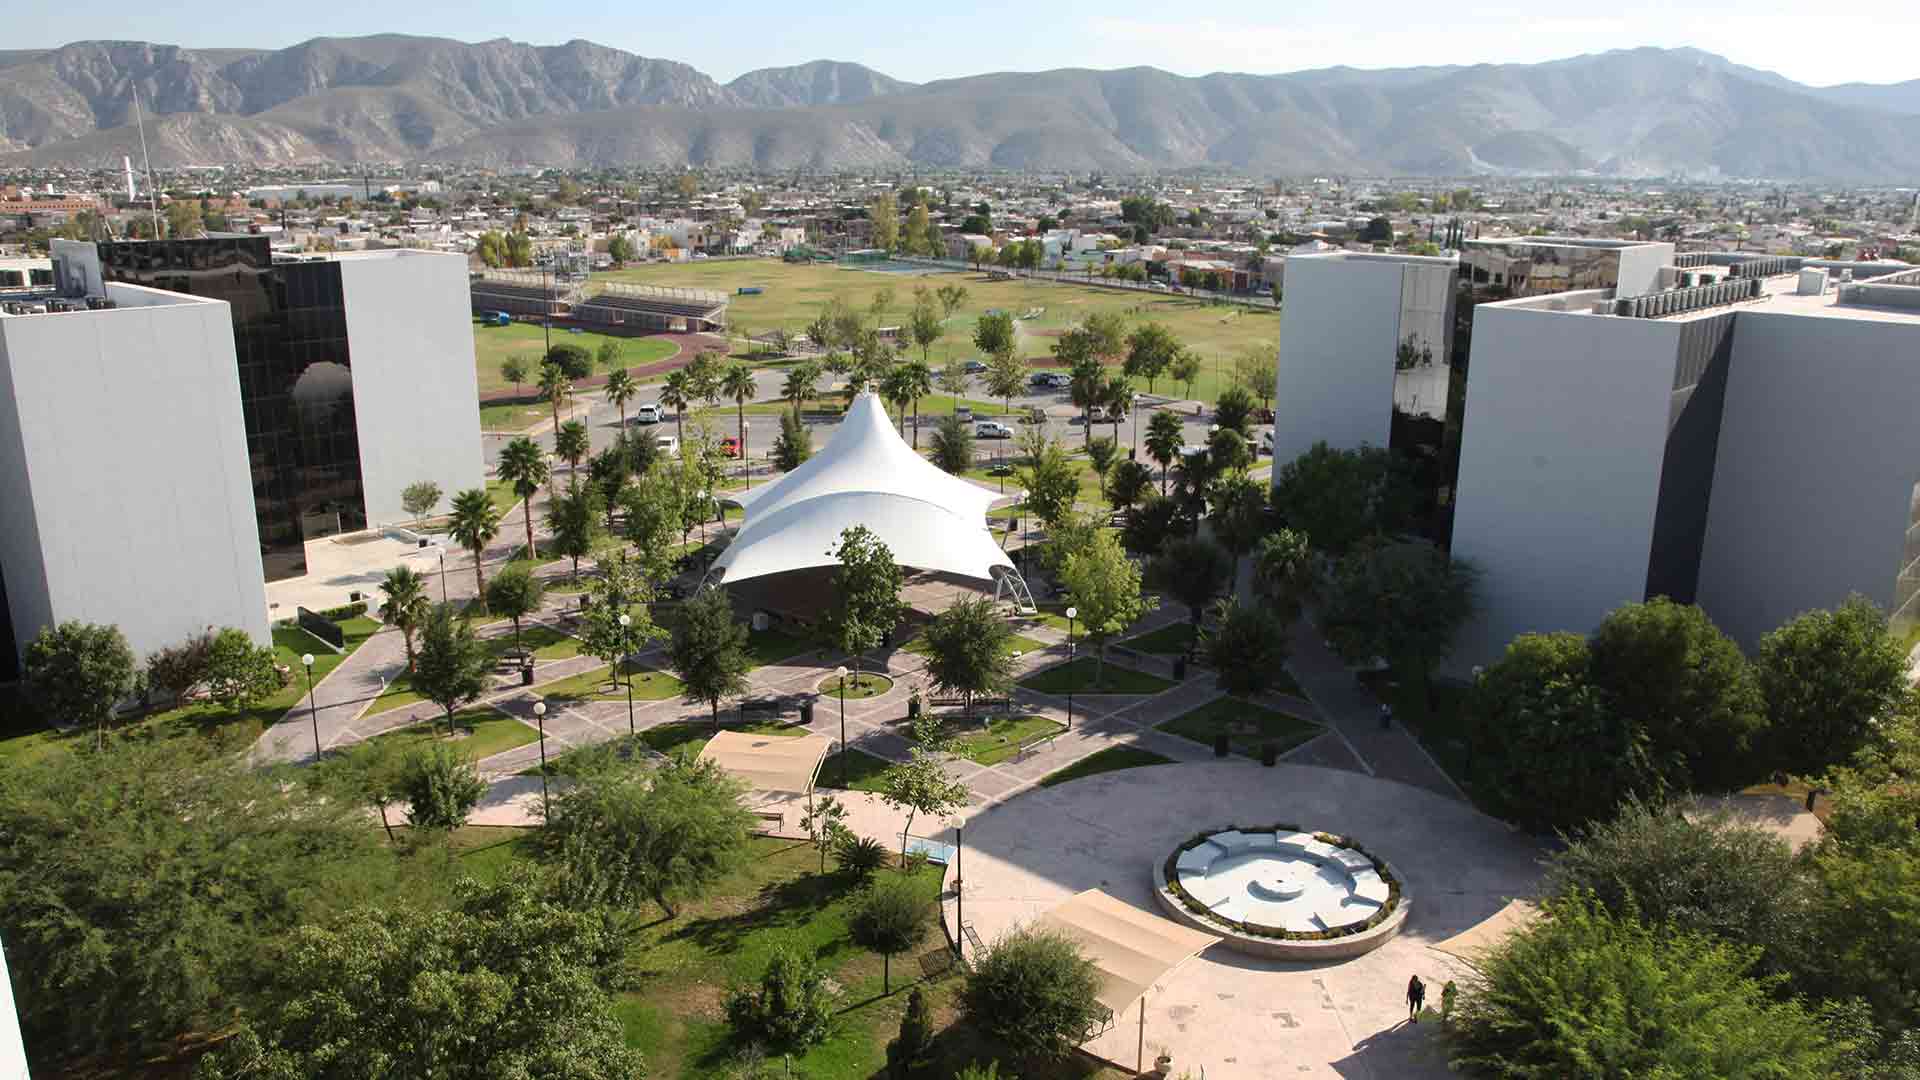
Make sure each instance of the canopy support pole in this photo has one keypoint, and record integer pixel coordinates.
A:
(1140, 1054)
(1010, 581)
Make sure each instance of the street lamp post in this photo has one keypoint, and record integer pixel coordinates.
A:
(540, 717)
(443, 572)
(841, 671)
(1071, 614)
(626, 627)
(313, 714)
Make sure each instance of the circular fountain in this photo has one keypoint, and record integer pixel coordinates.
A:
(1284, 893)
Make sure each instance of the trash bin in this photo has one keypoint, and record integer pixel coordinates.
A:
(806, 711)
(1179, 669)
(1222, 745)
(913, 708)
(1269, 754)
(526, 673)
(1386, 716)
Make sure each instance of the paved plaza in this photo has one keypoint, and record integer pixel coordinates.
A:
(1240, 1017)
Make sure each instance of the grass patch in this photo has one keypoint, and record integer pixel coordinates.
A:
(486, 732)
(546, 642)
(1248, 727)
(692, 735)
(597, 685)
(504, 500)
(1442, 729)
(999, 740)
(770, 646)
(493, 344)
(856, 687)
(510, 416)
(1167, 641)
(1018, 643)
(1112, 759)
(1078, 678)
(853, 770)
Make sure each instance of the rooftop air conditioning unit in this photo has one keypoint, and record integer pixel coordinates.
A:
(1813, 282)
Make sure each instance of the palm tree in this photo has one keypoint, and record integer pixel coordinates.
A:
(894, 388)
(476, 521)
(1119, 398)
(1164, 439)
(799, 385)
(621, 389)
(406, 605)
(738, 384)
(524, 465)
(572, 444)
(554, 386)
(917, 382)
(677, 391)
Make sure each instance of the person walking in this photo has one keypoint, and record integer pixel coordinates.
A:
(1416, 997)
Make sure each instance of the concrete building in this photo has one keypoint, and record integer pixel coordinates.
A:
(1740, 438)
(123, 466)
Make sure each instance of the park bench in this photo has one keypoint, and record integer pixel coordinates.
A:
(762, 707)
(770, 821)
(1037, 742)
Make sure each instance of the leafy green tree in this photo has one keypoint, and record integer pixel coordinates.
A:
(1150, 352)
(908, 1051)
(1194, 572)
(1100, 454)
(1247, 648)
(572, 444)
(367, 774)
(476, 521)
(1548, 752)
(607, 357)
(524, 465)
(1284, 572)
(1667, 668)
(1165, 437)
(953, 445)
(866, 586)
(144, 887)
(654, 507)
(1104, 586)
(825, 823)
(1128, 484)
(1827, 678)
(970, 650)
(927, 326)
(173, 671)
(79, 672)
(890, 917)
(1051, 482)
(1715, 876)
(794, 445)
(451, 668)
(709, 652)
(515, 593)
(1185, 369)
(622, 834)
(621, 388)
(1340, 497)
(1036, 993)
(506, 983)
(1240, 516)
(1587, 993)
(1402, 602)
(419, 497)
(1005, 378)
(793, 1006)
(1150, 525)
(1233, 411)
(952, 298)
(920, 785)
(239, 673)
(993, 334)
(574, 361)
(1255, 367)
(578, 521)
(440, 786)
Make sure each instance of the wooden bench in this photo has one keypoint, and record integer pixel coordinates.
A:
(761, 706)
(770, 821)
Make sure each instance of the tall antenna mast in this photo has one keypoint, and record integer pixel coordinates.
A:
(153, 196)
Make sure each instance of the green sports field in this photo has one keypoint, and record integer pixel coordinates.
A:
(794, 292)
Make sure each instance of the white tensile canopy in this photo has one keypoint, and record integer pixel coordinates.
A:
(769, 762)
(865, 475)
(1128, 947)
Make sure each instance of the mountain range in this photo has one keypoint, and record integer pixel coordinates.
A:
(1633, 113)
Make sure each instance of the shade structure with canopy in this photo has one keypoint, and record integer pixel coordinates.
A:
(1130, 948)
(867, 475)
(787, 763)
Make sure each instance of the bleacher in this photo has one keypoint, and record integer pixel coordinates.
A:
(521, 293)
(654, 307)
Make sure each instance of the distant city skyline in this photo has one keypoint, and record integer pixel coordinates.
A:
(726, 40)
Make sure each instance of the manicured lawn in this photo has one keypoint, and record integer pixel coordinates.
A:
(863, 685)
(493, 344)
(503, 416)
(999, 740)
(1248, 727)
(692, 735)
(1078, 677)
(1019, 643)
(770, 646)
(862, 770)
(794, 294)
(648, 685)
(1166, 641)
(483, 732)
(1112, 759)
(546, 642)
(504, 500)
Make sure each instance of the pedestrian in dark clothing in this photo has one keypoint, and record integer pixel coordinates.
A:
(1416, 997)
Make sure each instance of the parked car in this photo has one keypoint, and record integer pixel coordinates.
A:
(667, 445)
(730, 446)
(964, 412)
(991, 429)
(1158, 286)
(974, 366)
(1049, 380)
(647, 414)
(1266, 442)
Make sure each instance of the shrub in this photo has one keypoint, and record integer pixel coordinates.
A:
(908, 1051)
(890, 918)
(174, 670)
(239, 673)
(440, 786)
(862, 856)
(1035, 992)
(977, 1071)
(791, 1008)
(345, 611)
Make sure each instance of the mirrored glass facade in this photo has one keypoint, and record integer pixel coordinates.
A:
(296, 382)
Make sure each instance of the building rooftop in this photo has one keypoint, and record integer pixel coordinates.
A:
(1886, 297)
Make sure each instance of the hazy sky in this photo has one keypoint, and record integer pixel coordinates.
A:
(1820, 44)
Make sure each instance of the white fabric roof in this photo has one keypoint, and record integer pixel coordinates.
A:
(864, 475)
(769, 762)
(1130, 948)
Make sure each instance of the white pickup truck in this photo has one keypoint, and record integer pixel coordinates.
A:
(647, 414)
